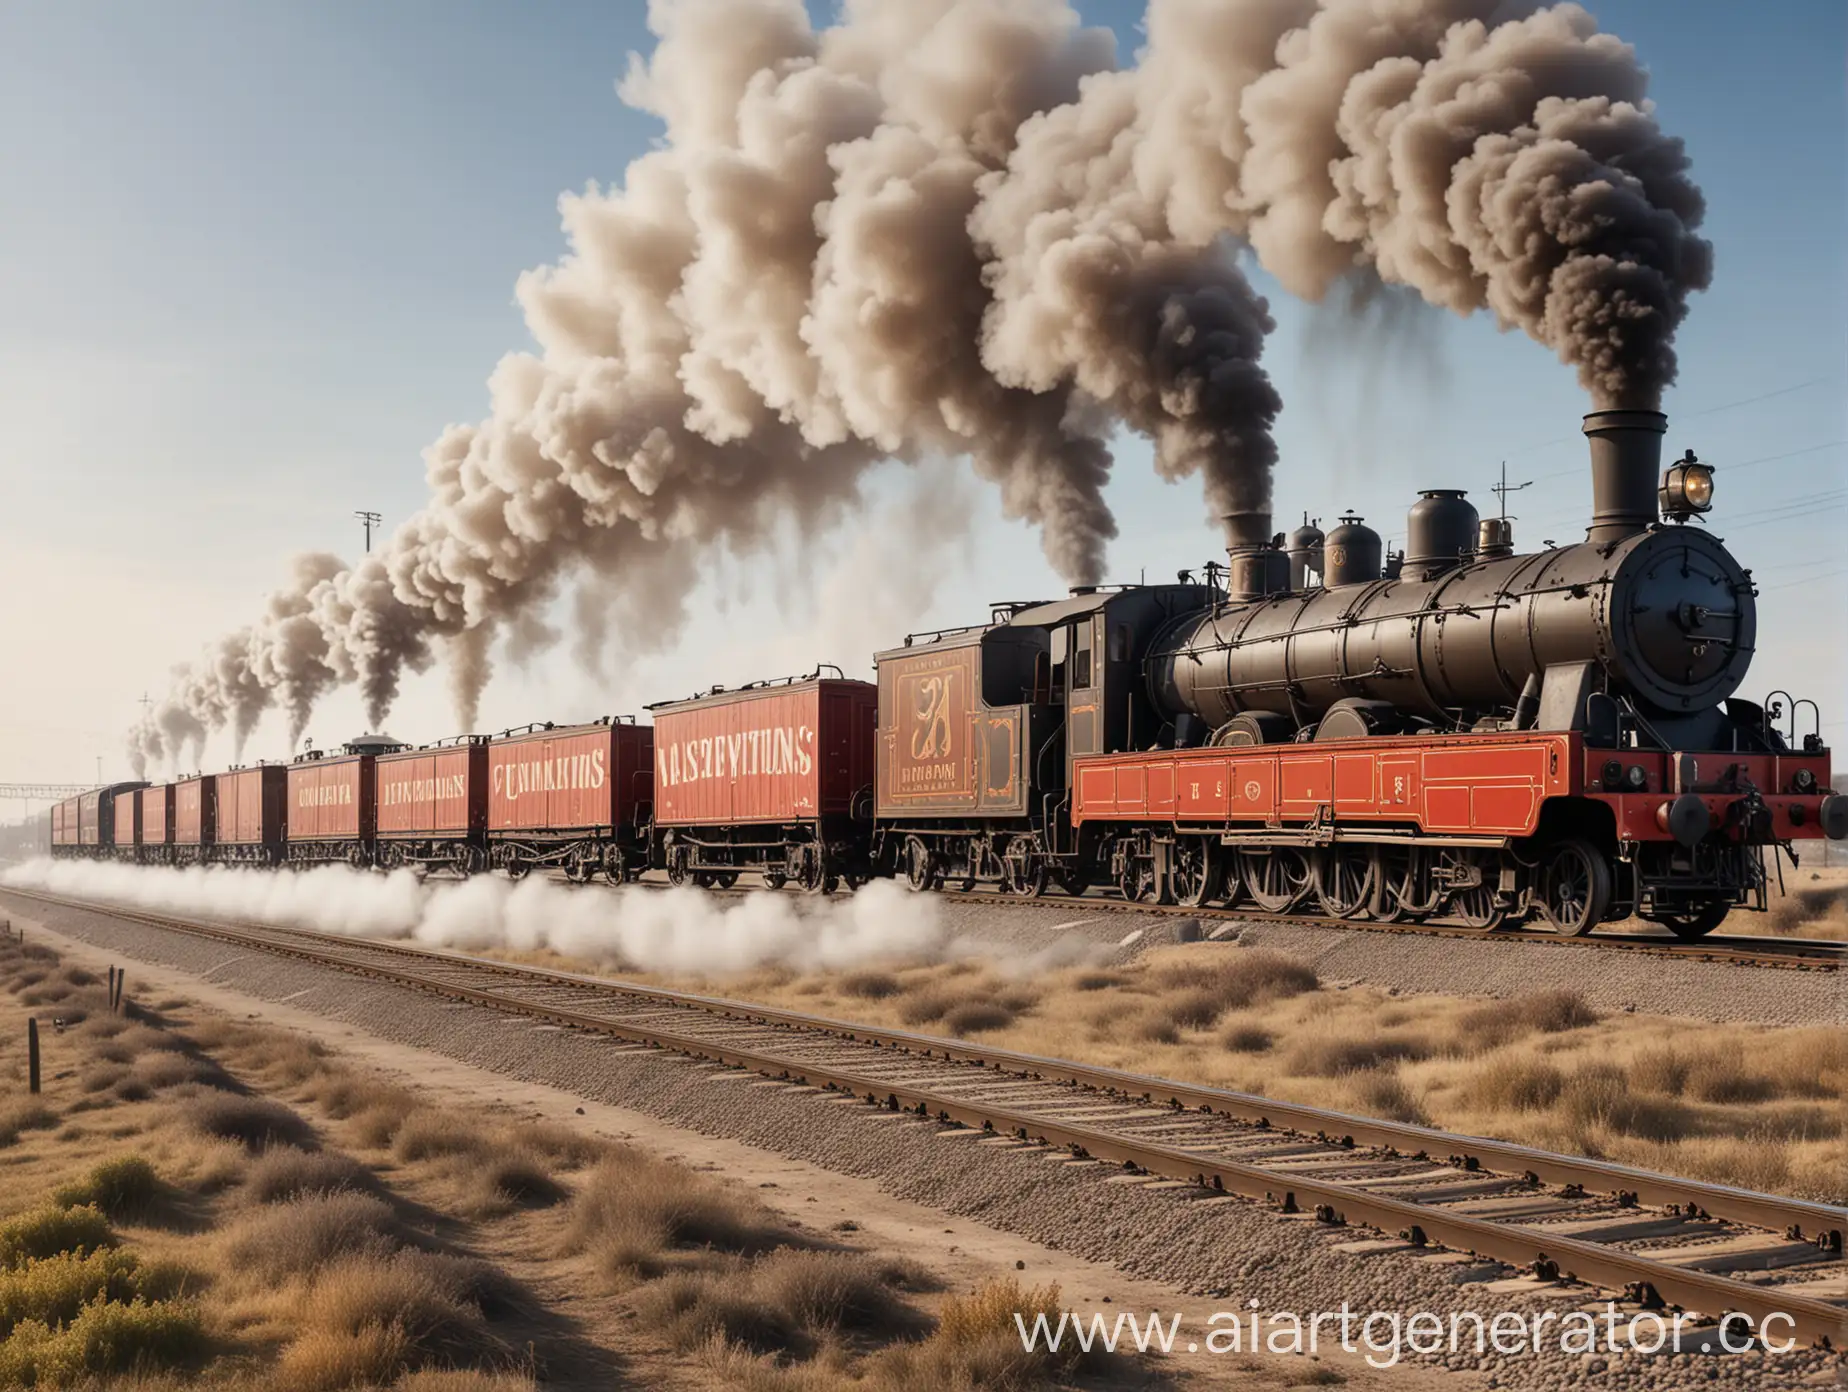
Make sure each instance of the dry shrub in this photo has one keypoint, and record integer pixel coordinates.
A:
(255, 1122)
(343, 1094)
(304, 1235)
(428, 1134)
(927, 1006)
(1599, 1096)
(54, 1290)
(1155, 1026)
(1810, 1062)
(1097, 981)
(696, 1308)
(870, 985)
(977, 1344)
(824, 1291)
(1386, 1095)
(165, 1070)
(106, 1338)
(321, 1360)
(1247, 1039)
(564, 1146)
(118, 1187)
(24, 1115)
(1232, 979)
(413, 1296)
(285, 1173)
(633, 1210)
(1509, 1084)
(1548, 1012)
(377, 1125)
(100, 1077)
(975, 1017)
(1333, 1055)
(285, 1058)
(515, 1178)
(1718, 1073)
(50, 1230)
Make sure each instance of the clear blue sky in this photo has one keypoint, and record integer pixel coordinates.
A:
(254, 256)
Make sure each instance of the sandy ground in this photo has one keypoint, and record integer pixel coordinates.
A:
(962, 1252)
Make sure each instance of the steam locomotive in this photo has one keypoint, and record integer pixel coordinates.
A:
(1460, 731)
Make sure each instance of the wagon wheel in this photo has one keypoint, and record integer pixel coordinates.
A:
(1196, 871)
(725, 879)
(1136, 880)
(518, 869)
(920, 864)
(1692, 924)
(1477, 909)
(1026, 876)
(1344, 881)
(775, 879)
(1276, 878)
(679, 869)
(1575, 888)
(579, 868)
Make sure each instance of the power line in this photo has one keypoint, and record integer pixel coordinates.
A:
(1690, 415)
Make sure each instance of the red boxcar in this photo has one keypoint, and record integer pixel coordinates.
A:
(253, 813)
(776, 776)
(64, 831)
(156, 821)
(127, 824)
(90, 819)
(432, 806)
(195, 818)
(577, 796)
(332, 813)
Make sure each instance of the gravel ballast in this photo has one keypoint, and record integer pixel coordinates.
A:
(1208, 1245)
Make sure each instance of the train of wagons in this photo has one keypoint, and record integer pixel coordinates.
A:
(1458, 731)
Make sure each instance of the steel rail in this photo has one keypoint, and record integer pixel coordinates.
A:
(1549, 1255)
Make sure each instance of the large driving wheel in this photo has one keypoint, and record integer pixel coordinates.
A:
(1575, 888)
(1136, 880)
(920, 864)
(1196, 870)
(1026, 875)
(1344, 880)
(1477, 908)
(1693, 923)
(1276, 878)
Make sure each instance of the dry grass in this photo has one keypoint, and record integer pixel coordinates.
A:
(634, 1212)
(284, 1173)
(1532, 1069)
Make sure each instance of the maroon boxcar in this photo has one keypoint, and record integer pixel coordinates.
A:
(64, 829)
(90, 818)
(332, 809)
(576, 797)
(253, 814)
(195, 819)
(774, 776)
(128, 825)
(156, 823)
(431, 806)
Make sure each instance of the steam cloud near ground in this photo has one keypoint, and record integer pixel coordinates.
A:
(957, 227)
(684, 932)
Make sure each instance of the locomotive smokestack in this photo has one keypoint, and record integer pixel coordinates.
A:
(1246, 531)
(1626, 464)
(1257, 570)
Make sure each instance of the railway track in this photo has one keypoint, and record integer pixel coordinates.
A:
(1649, 1239)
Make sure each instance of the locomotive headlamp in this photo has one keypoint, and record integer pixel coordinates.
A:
(1637, 777)
(1687, 488)
(1804, 782)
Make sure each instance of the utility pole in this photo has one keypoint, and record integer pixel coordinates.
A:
(371, 520)
(1504, 488)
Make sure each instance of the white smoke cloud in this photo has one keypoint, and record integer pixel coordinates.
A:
(684, 932)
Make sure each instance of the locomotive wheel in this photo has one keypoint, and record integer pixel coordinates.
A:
(920, 870)
(1196, 871)
(725, 879)
(1276, 878)
(678, 871)
(1136, 883)
(1344, 881)
(1575, 888)
(1391, 870)
(579, 869)
(1693, 925)
(518, 869)
(1477, 908)
(1027, 878)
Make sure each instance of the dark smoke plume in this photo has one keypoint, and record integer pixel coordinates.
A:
(954, 227)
